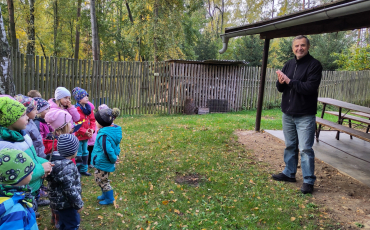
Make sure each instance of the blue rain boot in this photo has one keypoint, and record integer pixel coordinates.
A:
(109, 198)
(102, 197)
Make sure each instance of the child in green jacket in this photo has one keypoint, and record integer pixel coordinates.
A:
(13, 121)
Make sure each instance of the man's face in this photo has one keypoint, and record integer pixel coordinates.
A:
(300, 48)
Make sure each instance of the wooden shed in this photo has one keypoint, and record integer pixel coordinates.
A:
(213, 84)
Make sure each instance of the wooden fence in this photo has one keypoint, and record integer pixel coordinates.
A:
(162, 87)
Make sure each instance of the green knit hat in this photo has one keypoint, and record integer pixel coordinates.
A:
(10, 111)
(15, 165)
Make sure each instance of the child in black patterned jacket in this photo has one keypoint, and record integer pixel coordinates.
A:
(64, 183)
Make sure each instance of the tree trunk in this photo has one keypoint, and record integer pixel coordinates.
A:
(77, 44)
(56, 24)
(358, 37)
(6, 83)
(155, 38)
(272, 13)
(303, 5)
(31, 29)
(13, 38)
(94, 30)
(119, 12)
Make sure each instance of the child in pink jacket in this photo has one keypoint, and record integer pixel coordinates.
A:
(62, 101)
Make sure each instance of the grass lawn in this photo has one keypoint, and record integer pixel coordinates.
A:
(232, 193)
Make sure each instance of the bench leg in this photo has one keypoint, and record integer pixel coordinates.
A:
(317, 131)
(350, 125)
(368, 127)
(339, 122)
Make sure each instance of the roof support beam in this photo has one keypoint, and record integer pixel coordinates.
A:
(262, 83)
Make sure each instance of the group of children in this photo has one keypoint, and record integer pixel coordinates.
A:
(56, 141)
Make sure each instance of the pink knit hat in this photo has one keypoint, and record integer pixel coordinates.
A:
(57, 118)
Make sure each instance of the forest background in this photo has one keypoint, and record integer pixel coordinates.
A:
(157, 30)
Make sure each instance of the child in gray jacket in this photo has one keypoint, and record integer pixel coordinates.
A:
(31, 128)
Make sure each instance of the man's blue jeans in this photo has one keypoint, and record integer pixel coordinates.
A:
(299, 133)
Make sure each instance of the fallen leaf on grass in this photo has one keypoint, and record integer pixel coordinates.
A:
(100, 217)
(176, 211)
(119, 214)
(292, 218)
(115, 204)
(165, 202)
(151, 187)
(251, 181)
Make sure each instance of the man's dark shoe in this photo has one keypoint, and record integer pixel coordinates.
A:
(307, 188)
(283, 177)
(43, 202)
(37, 214)
(85, 174)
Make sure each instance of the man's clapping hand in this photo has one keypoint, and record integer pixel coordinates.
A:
(282, 77)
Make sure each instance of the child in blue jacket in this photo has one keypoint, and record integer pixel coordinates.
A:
(105, 153)
(15, 195)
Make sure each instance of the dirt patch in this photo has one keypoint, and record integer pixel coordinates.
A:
(191, 179)
(344, 199)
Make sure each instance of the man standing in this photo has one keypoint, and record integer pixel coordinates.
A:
(299, 81)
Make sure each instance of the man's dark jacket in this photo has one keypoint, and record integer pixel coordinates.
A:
(300, 95)
(64, 184)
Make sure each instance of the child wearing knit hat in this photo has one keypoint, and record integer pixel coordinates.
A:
(15, 199)
(43, 108)
(13, 121)
(31, 128)
(91, 141)
(86, 131)
(62, 101)
(64, 184)
(106, 152)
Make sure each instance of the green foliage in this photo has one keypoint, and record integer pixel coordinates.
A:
(323, 46)
(175, 29)
(206, 47)
(354, 58)
(250, 49)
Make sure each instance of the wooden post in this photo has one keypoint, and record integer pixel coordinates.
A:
(262, 83)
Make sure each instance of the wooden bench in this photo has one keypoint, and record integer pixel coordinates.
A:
(351, 118)
(341, 128)
(363, 115)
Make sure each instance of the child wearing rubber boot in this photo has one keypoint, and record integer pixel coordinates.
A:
(105, 153)
(84, 108)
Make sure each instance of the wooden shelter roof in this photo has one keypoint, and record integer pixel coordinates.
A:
(332, 17)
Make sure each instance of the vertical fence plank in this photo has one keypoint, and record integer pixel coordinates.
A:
(37, 74)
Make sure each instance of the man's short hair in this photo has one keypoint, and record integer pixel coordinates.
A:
(300, 37)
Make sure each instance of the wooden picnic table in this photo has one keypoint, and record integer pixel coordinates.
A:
(341, 105)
